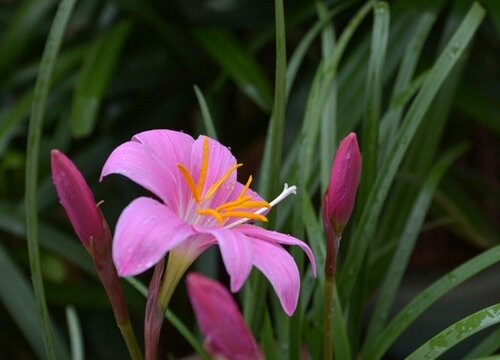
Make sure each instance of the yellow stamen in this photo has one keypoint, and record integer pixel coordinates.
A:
(232, 204)
(190, 182)
(204, 167)
(245, 214)
(213, 189)
(256, 204)
(213, 213)
(247, 186)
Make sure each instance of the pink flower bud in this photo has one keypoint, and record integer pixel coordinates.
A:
(226, 334)
(77, 199)
(340, 196)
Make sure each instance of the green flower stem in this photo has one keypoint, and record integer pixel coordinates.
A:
(177, 265)
(332, 241)
(328, 348)
(130, 339)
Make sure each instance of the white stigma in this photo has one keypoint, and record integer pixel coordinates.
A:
(287, 190)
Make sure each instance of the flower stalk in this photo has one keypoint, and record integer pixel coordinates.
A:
(338, 204)
(93, 231)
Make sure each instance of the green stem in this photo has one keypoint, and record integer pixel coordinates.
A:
(130, 339)
(328, 319)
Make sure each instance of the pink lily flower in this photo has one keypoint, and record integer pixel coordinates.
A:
(226, 334)
(200, 204)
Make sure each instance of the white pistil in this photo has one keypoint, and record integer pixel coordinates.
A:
(284, 194)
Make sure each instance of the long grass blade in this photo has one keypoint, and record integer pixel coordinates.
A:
(486, 347)
(95, 75)
(364, 232)
(373, 97)
(407, 242)
(456, 333)
(34, 135)
(205, 113)
(75, 334)
(426, 298)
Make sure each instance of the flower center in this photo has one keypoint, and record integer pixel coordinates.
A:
(243, 207)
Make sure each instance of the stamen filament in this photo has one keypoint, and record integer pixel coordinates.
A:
(213, 189)
(245, 214)
(213, 213)
(247, 186)
(189, 181)
(204, 168)
(232, 204)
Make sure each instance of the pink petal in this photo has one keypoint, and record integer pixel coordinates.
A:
(236, 251)
(145, 232)
(277, 237)
(78, 201)
(220, 321)
(280, 268)
(150, 160)
(220, 161)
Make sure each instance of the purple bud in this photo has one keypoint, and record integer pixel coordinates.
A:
(78, 201)
(340, 196)
(226, 333)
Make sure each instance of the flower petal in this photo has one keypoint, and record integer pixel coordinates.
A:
(277, 237)
(145, 231)
(225, 330)
(236, 251)
(280, 268)
(150, 160)
(220, 160)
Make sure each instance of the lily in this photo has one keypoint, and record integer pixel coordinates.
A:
(199, 203)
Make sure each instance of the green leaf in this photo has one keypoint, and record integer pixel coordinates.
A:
(486, 347)
(341, 345)
(24, 25)
(373, 97)
(392, 118)
(40, 95)
(426, 298)
(227, 51)
(457, 332)
(205, 114)
(271, 164)
(363, 233)
(406, 244)
(97, 70)
(17, 297)
(75, 334)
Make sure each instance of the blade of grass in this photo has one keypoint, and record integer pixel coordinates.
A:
(341, 346)
(328, 134)
(205, 113)
(95, 75)
(405, 75)
(227, 51)
(373, 97)
(75, 334)
(32, 157)
(456, 333)
(17, 298)
(363, 233)
(270, 170)
(174, 320)
(267, 338)
(22, 28)
(426, 298)
(486, 347)
(407, 242)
